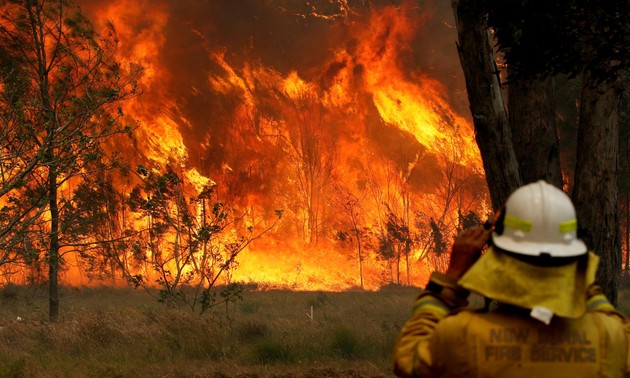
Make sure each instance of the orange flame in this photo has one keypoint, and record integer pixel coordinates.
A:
(356, 89)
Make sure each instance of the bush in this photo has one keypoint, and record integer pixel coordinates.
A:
(320, 300)
(15, 368)
(345, 343)
(252, 330)
(10, 292)
(249, 307)
(272, 351)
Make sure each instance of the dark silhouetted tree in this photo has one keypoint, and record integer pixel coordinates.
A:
(538, 40)
(70, 83)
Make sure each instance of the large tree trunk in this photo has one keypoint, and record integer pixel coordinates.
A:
(595, 192)
(534, 134)
(492, 131)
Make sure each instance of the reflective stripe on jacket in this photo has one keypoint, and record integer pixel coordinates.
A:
(507, 342)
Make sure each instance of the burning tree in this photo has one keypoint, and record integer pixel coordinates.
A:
(392, 191)
(275, 129)
(312, 153)
(192, 244)
(94, 225)
(355, 232)
(395, 243)
(62, 80)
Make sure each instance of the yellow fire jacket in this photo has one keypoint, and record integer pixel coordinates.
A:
(439, 342)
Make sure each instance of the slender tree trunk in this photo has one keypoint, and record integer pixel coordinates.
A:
(360, 252)
(53, 253)
(407, 204)
(408, 268)
(492, 131)
(595, 192)
(532, 117)
(398, 267)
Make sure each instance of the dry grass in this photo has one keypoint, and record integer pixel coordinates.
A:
(104, 332)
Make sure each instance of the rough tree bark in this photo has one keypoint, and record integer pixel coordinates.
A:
(492, 131)
(595, 191)
(534, 135)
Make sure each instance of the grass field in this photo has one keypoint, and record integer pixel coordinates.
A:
(105, 332)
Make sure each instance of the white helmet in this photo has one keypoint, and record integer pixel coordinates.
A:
(539, 219)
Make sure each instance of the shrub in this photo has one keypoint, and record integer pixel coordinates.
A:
(10, 292)
(320, 299)
(249, 307)
(272, 351)
(252, 330)
(15, 368)
(345, 343)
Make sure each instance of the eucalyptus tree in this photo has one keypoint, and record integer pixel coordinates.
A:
(66, 87)
(539, 40)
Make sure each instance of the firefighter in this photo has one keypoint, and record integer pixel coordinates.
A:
(546, 318)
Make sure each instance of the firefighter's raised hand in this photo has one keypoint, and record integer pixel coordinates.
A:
(466, 250)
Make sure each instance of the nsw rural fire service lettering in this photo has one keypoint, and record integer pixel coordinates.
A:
(513, 345)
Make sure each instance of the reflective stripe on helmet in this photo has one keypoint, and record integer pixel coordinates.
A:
(568, 226)
(517, 223)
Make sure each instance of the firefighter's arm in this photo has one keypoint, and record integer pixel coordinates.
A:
(597, 301)
(413, 355)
